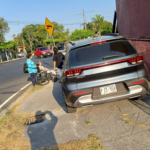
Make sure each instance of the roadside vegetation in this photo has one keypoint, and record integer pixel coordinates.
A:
(11, 126)
(35, 35)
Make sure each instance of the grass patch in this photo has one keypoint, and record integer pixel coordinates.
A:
(49, 87)
(128, 121)
(59, 109)
(11, 132)
(84, 111)
(88, 123)
(91, 143)
(11, 126)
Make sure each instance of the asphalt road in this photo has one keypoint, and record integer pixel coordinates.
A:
(12, 77)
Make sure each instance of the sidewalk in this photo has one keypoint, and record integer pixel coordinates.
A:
(121, 125)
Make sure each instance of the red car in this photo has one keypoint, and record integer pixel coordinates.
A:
(42, 52)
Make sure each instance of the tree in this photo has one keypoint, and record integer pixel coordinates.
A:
(107, 26)
(34, 35)
(98, 20)
(81, 34)
(3, 29)
(90, 26)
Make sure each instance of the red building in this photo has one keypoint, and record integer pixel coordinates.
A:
(133, 19)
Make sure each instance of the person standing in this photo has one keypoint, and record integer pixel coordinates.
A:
(31, 69)
(58, 62)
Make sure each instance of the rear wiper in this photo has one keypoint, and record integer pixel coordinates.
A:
(112, 56)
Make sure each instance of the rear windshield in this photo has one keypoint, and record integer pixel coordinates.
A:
(43, 49)
(98, 53)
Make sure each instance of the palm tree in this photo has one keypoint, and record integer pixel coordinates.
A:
(98, 20)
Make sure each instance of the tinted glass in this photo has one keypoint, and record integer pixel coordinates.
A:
(96, 53)
(43, 49)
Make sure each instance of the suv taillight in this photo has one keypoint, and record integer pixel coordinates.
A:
(136, 60)
(131, 61)
(74, 72)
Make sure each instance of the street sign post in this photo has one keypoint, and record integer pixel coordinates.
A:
(49, 28)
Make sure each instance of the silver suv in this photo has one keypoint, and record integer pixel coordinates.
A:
(103, 69)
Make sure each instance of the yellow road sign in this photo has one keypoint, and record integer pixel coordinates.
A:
(49, 27)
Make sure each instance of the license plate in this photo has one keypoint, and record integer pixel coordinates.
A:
(108, 89)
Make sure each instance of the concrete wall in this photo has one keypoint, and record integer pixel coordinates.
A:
(133, 17)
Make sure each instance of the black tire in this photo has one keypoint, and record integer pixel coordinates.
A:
(25, 68)
(42, 56)
(35, 57)
(71, 109)
(39, 80)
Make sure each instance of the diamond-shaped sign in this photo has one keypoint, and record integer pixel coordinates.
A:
(49, 27)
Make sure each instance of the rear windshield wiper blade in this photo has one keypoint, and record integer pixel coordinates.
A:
(112, 56)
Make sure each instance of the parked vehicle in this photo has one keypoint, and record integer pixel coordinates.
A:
(20, 54)
(103, 69)
(62, 49)
(42, 52)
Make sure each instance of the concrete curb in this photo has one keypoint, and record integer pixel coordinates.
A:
(11, 99)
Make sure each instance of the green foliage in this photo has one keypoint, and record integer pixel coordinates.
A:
(56, 40)
(97, 21)
(8, 45)
(81, 34)
(107, 26)
(13, 54)
(98, 24)
(35, 35)
(3, 29)
(106, 31)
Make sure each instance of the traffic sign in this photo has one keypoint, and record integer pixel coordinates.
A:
(49, 27)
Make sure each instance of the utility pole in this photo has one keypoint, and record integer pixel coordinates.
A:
(84, 19)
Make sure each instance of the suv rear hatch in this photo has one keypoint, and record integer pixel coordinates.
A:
(103, 63)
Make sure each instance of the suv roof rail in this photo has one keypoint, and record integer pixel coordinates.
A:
(72, 43)
(111, 34)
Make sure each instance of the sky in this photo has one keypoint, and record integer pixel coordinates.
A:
(19, 13)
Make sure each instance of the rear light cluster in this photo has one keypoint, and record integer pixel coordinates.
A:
(101, 42)
(136, 60)
(131, 61)
(74, 72)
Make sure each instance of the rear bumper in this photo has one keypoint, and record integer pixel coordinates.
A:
(134, 91)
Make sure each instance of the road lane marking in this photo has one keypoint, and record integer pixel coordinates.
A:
(13, 95)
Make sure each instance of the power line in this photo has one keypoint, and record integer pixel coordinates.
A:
(83, 13)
